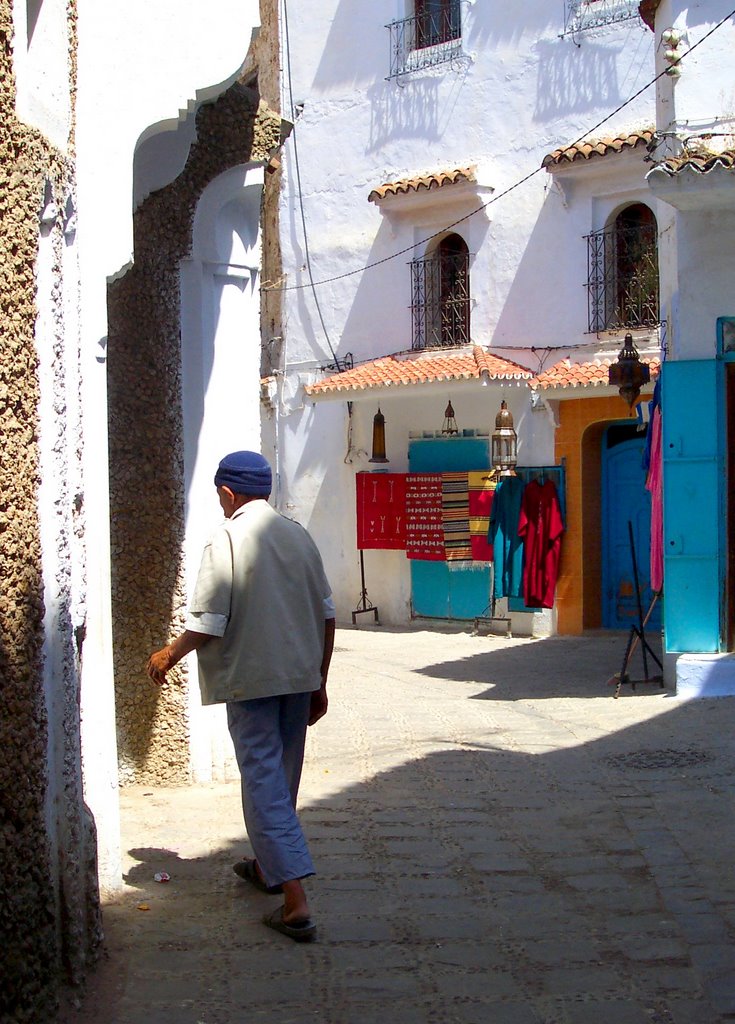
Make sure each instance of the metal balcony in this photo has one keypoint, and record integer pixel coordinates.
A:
(622, 280)
(583, 15)
(427, 39)
(440, 306)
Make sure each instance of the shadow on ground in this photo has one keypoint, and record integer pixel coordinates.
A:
(515, 877)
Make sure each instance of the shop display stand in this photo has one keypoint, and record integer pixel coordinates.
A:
(364, 604)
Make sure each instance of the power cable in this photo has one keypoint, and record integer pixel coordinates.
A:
(501, 195)
(299, 191)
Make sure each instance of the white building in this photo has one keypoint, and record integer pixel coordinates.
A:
(452, 166)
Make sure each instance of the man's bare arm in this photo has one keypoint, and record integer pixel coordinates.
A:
(319, 702)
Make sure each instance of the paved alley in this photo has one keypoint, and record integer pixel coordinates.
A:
(498, 841)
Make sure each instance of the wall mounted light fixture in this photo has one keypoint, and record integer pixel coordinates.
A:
(379, 438)
(449, 426)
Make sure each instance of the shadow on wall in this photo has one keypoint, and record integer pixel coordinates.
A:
(562, 316)
(478, 880)
(146, 430)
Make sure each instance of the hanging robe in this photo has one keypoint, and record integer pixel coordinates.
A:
(503, 535)
(654, 484)
(540, 525)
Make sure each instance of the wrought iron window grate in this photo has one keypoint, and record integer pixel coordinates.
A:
(622, 280)
(582, 15)
(440, 306)
(431, 37)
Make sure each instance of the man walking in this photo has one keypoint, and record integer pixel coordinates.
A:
(262, 623)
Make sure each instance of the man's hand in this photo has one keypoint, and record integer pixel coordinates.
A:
(159, 664)
(164, 660)
(319, 704)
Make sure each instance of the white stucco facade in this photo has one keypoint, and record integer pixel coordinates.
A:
(517, 92)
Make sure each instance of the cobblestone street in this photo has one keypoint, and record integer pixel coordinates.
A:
(497, 841)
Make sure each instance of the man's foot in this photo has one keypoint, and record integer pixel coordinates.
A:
(299, 931)
(249, 871)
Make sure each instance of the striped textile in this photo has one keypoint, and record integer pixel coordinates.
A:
(456, 520)
(481, 488)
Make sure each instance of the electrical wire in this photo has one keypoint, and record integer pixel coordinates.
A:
(298, 185)
(501, 195)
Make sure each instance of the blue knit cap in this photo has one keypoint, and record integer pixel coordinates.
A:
(245, 473)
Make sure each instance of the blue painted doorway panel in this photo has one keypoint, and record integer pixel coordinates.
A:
(692, 401)
(437, 592)
(625, 500)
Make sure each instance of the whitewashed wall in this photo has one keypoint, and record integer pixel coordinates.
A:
(139, 66)
(522, 92)
(697, 106)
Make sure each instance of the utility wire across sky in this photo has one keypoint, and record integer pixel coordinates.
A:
(501, 195)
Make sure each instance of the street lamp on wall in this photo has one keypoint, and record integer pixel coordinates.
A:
(379, 438)
(504, 442)
(628, 374)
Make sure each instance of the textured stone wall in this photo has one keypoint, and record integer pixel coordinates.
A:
(145, 431)
(49, 923)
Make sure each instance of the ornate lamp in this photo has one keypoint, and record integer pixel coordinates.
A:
(504, 442)
(449, 426)
(379, 438)
(629, 374)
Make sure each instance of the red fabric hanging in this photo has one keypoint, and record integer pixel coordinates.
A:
(381, 510)
(540, 525)
(424, 531)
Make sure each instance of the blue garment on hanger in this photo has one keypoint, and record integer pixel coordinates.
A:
(503, 535)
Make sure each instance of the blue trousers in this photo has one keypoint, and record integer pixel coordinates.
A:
(269, 736)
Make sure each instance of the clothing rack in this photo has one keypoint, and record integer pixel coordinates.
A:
(364, 604)
(557, 475)
(637, 636)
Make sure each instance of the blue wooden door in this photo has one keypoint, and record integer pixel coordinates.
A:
(625, 500)
(436, 591)
(692, 402)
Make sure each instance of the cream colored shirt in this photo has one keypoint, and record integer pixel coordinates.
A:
(262, 594)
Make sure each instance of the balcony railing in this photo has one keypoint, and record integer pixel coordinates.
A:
(622, 281)
(432, 37)
(581, 15)
(440, 306)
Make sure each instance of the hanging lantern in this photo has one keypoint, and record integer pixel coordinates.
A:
(629, 374)
(379, 438)
(504, 442)
(449, 426)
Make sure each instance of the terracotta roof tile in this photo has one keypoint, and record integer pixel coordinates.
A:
(701, 162)
(422, 183)
(567, 374)
(589, 148)
(390, 371)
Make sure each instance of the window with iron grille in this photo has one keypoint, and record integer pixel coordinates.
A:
(581, 15)
(622, 280)
(432, 35)
(440, 290)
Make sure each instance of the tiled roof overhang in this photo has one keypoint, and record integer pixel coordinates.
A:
(589, 148)
(696, 180)
(700, 163)
(422, 183)
(567, 374)
(394, 373)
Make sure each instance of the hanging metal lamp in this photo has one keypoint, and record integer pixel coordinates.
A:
(628, 374)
